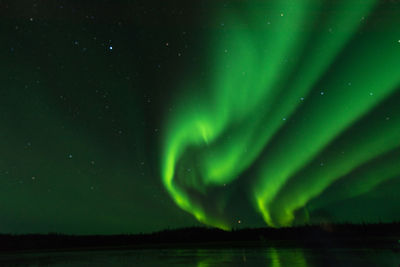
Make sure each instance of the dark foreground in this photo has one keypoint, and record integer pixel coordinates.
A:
(318, 245)
(325, 235)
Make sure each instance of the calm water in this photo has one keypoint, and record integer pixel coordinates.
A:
(207, 257)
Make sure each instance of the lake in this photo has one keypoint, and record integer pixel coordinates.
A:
(274, 257)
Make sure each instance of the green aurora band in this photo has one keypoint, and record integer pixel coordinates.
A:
(296, 105)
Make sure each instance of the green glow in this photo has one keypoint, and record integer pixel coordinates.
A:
(344, 107)
(282, 90)
(207, 259)
(343, 156)
(282, 257)
(360, 181)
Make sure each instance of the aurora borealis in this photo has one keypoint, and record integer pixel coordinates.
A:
(136, 116)
(293, 105)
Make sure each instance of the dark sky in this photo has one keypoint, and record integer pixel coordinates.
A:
(102, 102)
(85, 86)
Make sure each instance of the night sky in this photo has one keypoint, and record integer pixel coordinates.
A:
(136, 116)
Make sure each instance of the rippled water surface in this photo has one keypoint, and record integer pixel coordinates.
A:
(207, 257)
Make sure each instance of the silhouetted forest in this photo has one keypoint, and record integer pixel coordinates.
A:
(382, 235)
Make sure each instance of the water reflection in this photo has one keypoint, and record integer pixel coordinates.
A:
(252, 257)
(285, 257)
(274, 257)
